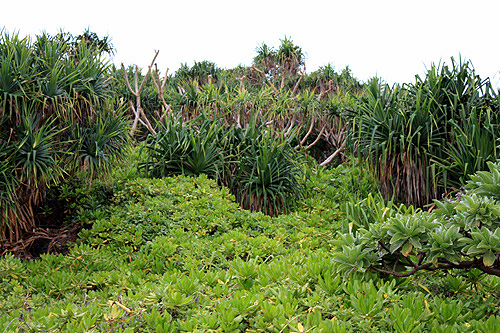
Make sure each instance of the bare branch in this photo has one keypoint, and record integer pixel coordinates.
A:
(159, 89)
(265, 77)
(137, 93)
(301, 143)
(317, 138)
(146, 122)
(149, 71)
(127, 83)
(332, 156)
(288, 129)
(443, 264)
(136, 118)
(297, 84)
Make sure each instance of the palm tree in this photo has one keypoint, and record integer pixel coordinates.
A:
(58, 118)
(290, 57)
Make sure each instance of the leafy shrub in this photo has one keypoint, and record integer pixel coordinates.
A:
(200, 71)
(178, 149)
(217, 267)
(262, 172)
(268, 177)
(148, 208)
(460, 234)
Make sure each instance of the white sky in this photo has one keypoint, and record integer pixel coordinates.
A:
(392, 39)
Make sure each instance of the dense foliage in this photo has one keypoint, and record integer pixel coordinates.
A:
(425, 138)
(57, 118)
(460, 234)
(178, 255)
(274, 91)
(223, 217)
(262, 171)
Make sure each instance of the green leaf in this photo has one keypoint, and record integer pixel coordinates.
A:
(489, 258)
(395, 246)
(398, 236)
(416, 243)
(407, 249)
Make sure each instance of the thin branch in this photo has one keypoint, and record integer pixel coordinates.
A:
(323, 92)
(149, 71)
(301, 143)
(137, 93)
(265, 76)
(288, 128)
(146, 121)
(466, 264)
(136, 118)
(317, 138)
(297, 84)
(159, 88)
(127, 83)
(332, 156)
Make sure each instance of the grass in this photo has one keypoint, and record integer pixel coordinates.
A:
(179, 255)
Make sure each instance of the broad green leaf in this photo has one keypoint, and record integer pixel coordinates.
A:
(407, 249)
(489, 258)
(398, 236)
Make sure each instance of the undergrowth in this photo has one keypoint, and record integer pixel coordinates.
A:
(179, 255)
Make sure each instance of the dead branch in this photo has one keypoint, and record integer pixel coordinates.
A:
(137, 93)
(159, 88)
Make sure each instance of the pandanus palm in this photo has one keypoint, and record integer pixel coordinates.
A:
(426, 138)
(260, 171)
(265, 58)
(399, 135)
(290, 56)
(46, 95)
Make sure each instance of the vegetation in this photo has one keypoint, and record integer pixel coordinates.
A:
(179, 255)
(57, 118)
(459, 234)
(306, 111)
(253, 199)
(425, 138)
(259, 169)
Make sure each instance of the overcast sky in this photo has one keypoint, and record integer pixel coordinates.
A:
(392, 39)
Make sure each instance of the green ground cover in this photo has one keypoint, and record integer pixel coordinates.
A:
(179, 255)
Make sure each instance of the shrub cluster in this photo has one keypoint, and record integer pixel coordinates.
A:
(58, 118)
(425, 138)
(178, 255)
(459, 234)
(262, 171)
